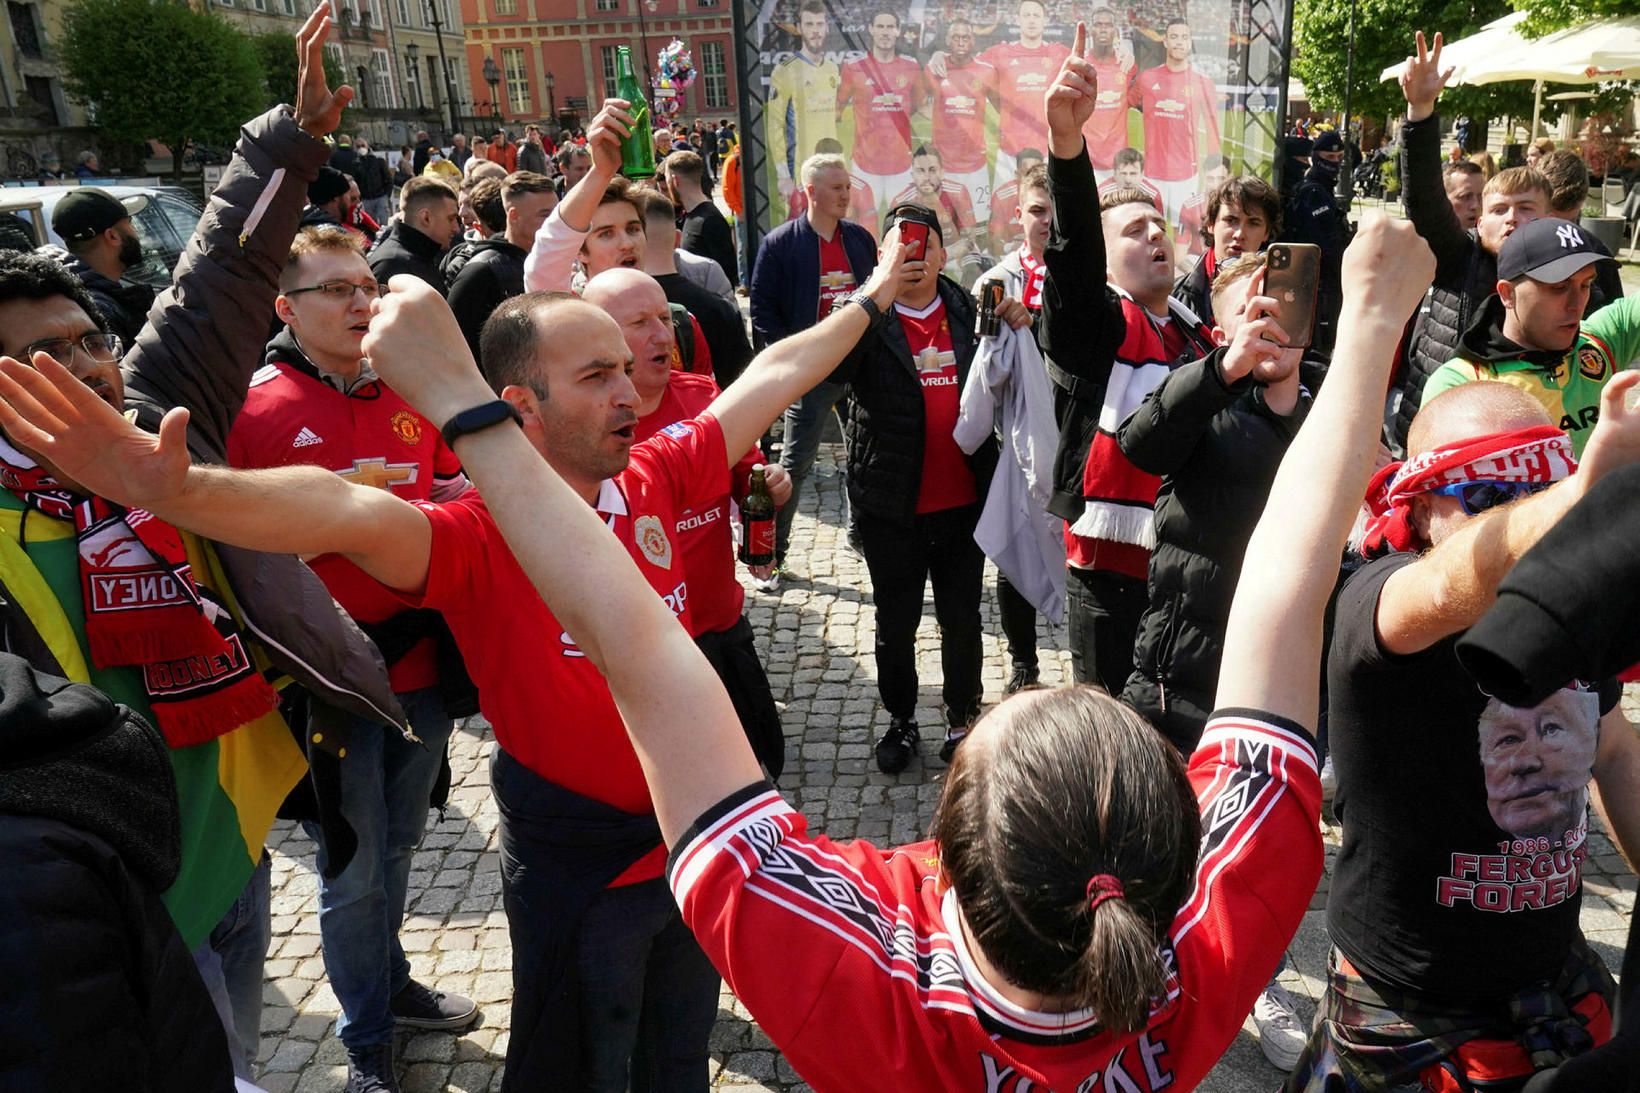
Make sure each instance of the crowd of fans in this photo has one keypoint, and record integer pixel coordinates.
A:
(385, 455)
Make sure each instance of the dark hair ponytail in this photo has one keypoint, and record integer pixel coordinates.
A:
(1074, 797)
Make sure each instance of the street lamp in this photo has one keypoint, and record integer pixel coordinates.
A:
(643, 38)
(552, 103)
(492, 76)
(449, 81)
(412, 53)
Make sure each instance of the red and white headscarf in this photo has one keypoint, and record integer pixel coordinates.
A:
(1539, 454)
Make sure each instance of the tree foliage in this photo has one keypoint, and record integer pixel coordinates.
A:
(158, 69)
(1546, 16)
(1384, 31)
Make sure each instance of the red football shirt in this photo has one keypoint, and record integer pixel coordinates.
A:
(954, 207)
(1110, 185)
(551, 708)
(1023, 76)
(831, 944)
(884, 94)
(1176, 106)
(705, 533)
(1107, 130)
(293, 418)
(1191, 215)
(947, 481)
(1005, 229)
(959, 115)
(836, 275)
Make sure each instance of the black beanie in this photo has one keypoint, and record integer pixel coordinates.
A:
(330, 185)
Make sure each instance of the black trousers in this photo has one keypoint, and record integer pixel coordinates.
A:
(1018, 623)
(733, 654)
(937, 548)
(1103, 610)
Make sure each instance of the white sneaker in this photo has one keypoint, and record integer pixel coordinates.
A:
(1329, 780)
(771, 584)
(1280, 1035)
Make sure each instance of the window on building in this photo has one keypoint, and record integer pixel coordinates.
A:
(288, 6)
(506, 7)
(333, 51)
(444, 7)
(25, 30)
(609, 5)
(383, 93)
(706, 3)
(515, 67)
(714, 77)
(44, 95)
(403, 11)
(258, 5)
(612, 71)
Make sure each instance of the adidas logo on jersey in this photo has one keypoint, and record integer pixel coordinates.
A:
(306, 438)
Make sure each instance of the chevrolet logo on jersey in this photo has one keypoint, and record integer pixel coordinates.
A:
(1104, 97)
(836, 279)
(960, 102)
(1032, 79)
(886, 101)
(1169, 104)
(380, 473)
(932, 360)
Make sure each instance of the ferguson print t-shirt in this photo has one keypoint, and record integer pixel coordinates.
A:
(1465, 820)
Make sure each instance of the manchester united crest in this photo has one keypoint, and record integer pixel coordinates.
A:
(652, 540)
(1591, 363)
(407, 427)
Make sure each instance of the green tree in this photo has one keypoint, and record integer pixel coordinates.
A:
(276, 54)
(158, 69)
(1545, 16)
(1384, 31)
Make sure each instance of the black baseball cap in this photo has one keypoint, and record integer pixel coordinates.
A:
(86, 212)
(1329, 141)
(916, 214)
(1548, 250)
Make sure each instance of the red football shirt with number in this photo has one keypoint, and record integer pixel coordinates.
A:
(371, 436)
(705, 532)
(1107, 130)
(1176, 106)
(947, 481)
(550, 707)
(1023, 76)
(884, 94)
(959, 115)
(836, 275)
(1005, 228)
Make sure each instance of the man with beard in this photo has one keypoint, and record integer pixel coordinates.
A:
(802, 106)
(97, 230)
(949, 201)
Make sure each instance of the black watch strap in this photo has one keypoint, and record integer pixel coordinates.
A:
(874, 314)
(482, 416)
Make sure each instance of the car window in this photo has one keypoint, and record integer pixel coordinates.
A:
(160, 246)
(19, 229)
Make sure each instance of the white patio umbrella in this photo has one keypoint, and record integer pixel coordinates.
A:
(1498, 34)
(1594, 52)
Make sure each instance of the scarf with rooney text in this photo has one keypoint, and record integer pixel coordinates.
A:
(143, 610)
(1541, 453)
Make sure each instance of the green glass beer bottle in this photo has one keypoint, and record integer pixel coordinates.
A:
(637, 150)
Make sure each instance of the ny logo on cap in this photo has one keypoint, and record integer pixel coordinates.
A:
(1569, 236)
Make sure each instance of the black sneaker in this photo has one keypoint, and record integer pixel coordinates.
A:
(1024, 676)
(417, 1006)
(953, 738)
(370, 1070)
(897, 745)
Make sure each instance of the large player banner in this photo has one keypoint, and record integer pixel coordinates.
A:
(940, 102)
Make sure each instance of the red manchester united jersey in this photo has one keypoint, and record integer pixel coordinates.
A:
(1111, 185)
(1023, 76)
(842, 943)
(1176, 107)
(1191, 215)
(551, 708)
(370, 436)
(1107, 130)
(884, 94)
(959, 115)
(705, 534)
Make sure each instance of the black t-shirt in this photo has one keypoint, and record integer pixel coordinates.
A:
(1465, 821)
(720, 324)
(707, 233)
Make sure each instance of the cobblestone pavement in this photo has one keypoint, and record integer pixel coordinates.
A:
(811, 633)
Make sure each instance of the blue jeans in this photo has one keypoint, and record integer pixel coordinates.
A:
(649, 996)
(230, 962)
(805, 424)
(386, 781)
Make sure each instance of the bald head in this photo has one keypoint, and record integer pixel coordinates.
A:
(1475, 409)
(615, 285)
(639, 307)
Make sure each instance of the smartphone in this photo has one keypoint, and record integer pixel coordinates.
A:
(1292, 277)
(915, 238)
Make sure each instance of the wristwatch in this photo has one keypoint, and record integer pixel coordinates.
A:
(863, 298)
(479, 417)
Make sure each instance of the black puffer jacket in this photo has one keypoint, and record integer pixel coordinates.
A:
(1217, 448)
(403, 249)
(1465, 275)
(100, 992)
(492, 273)
(1195, 290)
(885, 421)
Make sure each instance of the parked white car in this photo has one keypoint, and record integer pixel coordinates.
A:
(164, 226)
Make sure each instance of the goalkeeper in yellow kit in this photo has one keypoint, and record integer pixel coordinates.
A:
(802, 106)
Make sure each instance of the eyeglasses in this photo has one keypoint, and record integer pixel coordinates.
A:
(341, 290)
(1477, 497)
(102, 348)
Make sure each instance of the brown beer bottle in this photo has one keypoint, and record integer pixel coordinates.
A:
(757, 522)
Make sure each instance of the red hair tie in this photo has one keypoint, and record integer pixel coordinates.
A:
(1102, 887)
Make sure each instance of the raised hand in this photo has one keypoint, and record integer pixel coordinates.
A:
(86, 441)
(318, 109)
(1070, 99)
(1260, 345)
(1615, 441)
(1387, 268)
(609, 127)
(416, 346)
(1422, 79)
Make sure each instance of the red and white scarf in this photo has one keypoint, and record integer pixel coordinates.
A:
(143, 610)
(1539, 454)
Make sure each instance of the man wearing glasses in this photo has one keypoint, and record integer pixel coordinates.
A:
(316, 401)
(1445, 913)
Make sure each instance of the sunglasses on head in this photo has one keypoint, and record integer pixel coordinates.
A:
(1477, 497)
